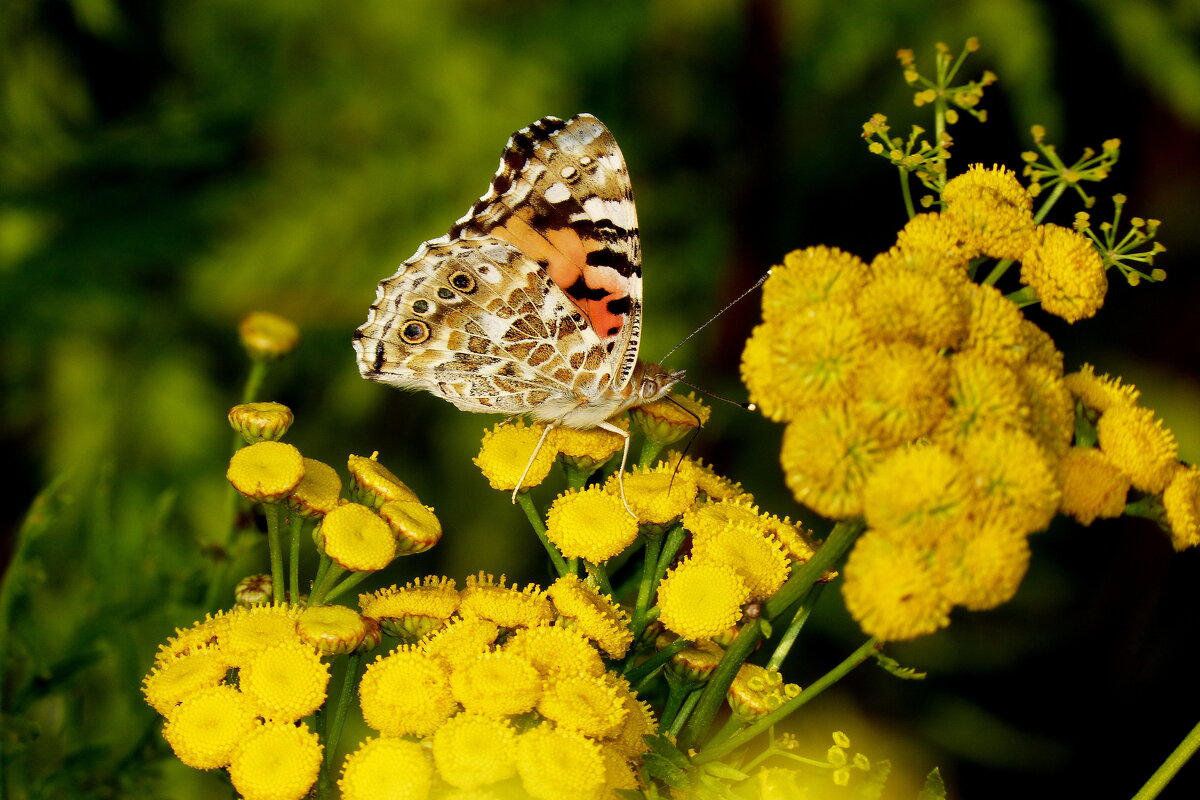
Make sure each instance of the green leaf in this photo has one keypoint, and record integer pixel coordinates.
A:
(662, 769)
(667, 749)
(719, 770)
(893, 666)
(935, 788)
(872, 787)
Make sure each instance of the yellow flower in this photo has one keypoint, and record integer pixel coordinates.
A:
(1013, 477)
(1139, 445)
(408, 613)
(205, 728)
(902, 391)
(277, 761)
(827, 455)
(991, 211)
(1102, 392)
(461, 640)
(318, 491)
(810, 360)
(266, 472)
(701, 599)
(555, 650)
(754, 555)
(1092, 486)
(710, 484)
(173, 681)
(202, 635)
(591, 524)
(258, 422)
(656, 494)
(983, 567)
(508, 451)
(812, 276)
(357, 538)
(928, 244)
(593, 614)
(639, 721)
(669, 419)
(471, 751)
(618, 772)
(1041, 348)
(996, 331)
(415, 526)
(497, 684)
(1051, 408)
(890, 589)
(905, 305)
(254, 629)
(555, 764)
(406, 691)
(373, 484)
(285, 681)
(757, 691)
(694, 663)
(1067, 273)
(917, 494)
(584, 703)
(386, 768)
(588, 448)
(267, 336)
(983, 395)
(709, 519)
(1181, 499)
(332, 630)
(507, 606)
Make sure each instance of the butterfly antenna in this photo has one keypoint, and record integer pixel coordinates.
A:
(713, 319)
(748, 406)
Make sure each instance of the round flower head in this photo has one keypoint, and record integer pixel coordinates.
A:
(386, 768)
(905, 305)
(554, 650)
(619, 772)
(461, 640)
(1100, 392)
(406, 692)
(1067, 273)
(318, 492)
(1092, 486)
(587, 449)
(710, 519)
(639, 721)
(556, 764)
(357, 538)
(757, 691)
(268, 336)
(266, 472)
(990, 210)
(285, 682)
(508, 451)
(1013, 477)
(1139, 445)
(593, 614)
(701, 599)
(902, 391)
(917, 494)
(173, 681)
(891, 591)
(1051, 418)
(710, 484)
(827, 455)
(507, 606)
(983, 567)
(259, 422)
(471, 751)
(811, 276)
(754, 555)
(1181, 499)
(997, 331)
(669, 419)
(204, 729)
(373, 484)
(656, 494)
(591, 524)
(415, 526)
(423, 605)
(277, 761)
(695, 663)
(498, 684)
(331, 630)
(927, 244)
(251, 630)
(1040, 348)
(584, 703)
(205, 634)
(984, 395)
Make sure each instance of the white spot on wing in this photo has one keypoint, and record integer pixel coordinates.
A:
(619, 211)
(558, 192)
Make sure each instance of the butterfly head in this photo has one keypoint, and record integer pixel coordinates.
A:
(653, 381)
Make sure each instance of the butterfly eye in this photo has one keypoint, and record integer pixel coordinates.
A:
(463, 281)
(414, 332)
(420, 306)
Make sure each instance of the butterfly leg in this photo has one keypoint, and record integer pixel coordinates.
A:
(529, 465)
(608, 426)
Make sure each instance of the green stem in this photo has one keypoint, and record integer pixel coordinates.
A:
(670, 547)
(793, 630)
(275, 546)
(646, 585)
(1162, 776)
(997, 272)
(600, 576)
(322, 568)
(685, 713)
(714, 691)
(906, 191)
(865, 651)
(539, 527)
(831, 551)
(322, 587)
(294, 560)
(636, 674)
(351, 580)
(1048, 204)
(333, 725)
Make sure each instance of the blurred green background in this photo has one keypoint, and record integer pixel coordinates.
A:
(167, 167)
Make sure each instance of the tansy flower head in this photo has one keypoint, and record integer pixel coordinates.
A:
(268, 336)
(318, 491)
(508, 449)
(205, 728)
(266, 472)
(554, 650)
(1051, 419)
(372, 484)
(710, 519)
(1100, 392)
(1067, 273)
(408, 613)
(710, 484)
(757, 691)
(797, 542)
(587, 449)
(701, 599)
(754, 555)
(251, 630)
(808, 277)
(406, 691)
(991, 211)
(984, 395)
(593, 614)
(1139, 445)
(259, 422)
(928, 244)
(827, 455)
(917, 494)
(902, 391)
(471, 751)
(1092, 486)
(1040, 348)
(584, 703)
(507, 606)
(904, 305)
(669, 419)
(387, 767)
(1013, 478)
(173, 681)
(694, 663)
(891, 591)
(461, 640)
(1181, 500)
(285, 681)
(996, 330)
(656, 494)
(205, 633)
(639, 721)
(591, 524)
(555, 764)
(497, 684)
(277, 761)
(415, 526)
(357, 538)
(331, 630)
(982, 567)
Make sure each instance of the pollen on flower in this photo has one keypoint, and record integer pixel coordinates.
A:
(555, 764)
(386, 767)
(406, 691)
(591, 447)
(285, 681)
(277, 761)
(811, 276)
(701, 599)
(252, 630)
(669, 419)
(709, 519)
(1051, 418)
(1067, 273)
(357, 538)
(1139, 445)
(471, 751)
(710, 484)
(917, 494)
(555, 650)
(982, 568)
(593, 614)
(827, 455)
(1092, 486)
(498, 684)
(984, 395)
(318, 492)
(1100, 392)
(906, 305)
(754, 555)
(902, 391)
(415, 526)
(656, 494)
(266, 472)
(991, 210)
(461, 640)
(508, 449)
(373, 484)
(1181, 500)
(1013, 477)
(891, 591)
(927, 243)
(206, 727)
(591, 524)
(584, 703)
(172, 681)
(332, 630)
(507, 606)
(421, 606)
(997, 330)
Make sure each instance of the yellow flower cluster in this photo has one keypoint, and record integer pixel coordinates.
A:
(507, 690)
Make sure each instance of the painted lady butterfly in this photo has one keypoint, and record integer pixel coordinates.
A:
(532, 303)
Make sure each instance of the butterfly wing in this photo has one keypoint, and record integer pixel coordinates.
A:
(562, 196)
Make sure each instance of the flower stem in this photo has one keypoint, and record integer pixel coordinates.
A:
(335, 720)
(321, 587)
(646, 585)
(685, 712)
(793, 630)
(636, 674)
(294, 560)
(352, 580)
(1162, 776)
(275, 545)
(539, 527)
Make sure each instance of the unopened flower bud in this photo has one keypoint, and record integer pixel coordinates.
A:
(259, 422)
(372, 484)
(253, 589)
(268, 336)
(332, 630)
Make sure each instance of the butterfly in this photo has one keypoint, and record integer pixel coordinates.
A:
(532, 303)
